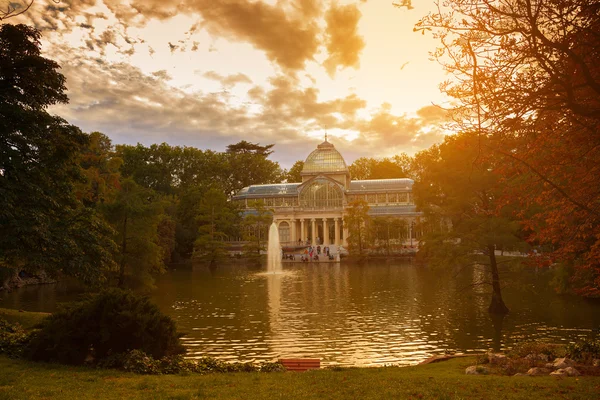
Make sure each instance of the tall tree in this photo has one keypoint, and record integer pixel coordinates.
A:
(249, 165)
(462, 188)
(44, 226)
(358, 221)
(255, 228)
(135, 215)
(101, 170)
(217, 218)
(293, 175)
(527, 74)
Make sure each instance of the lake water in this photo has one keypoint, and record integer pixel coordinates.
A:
(361, 315)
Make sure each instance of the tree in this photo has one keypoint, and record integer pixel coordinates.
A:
(388, 229)
(101, 169)
(293, 175)
(217, 218)
(135, 215)
(249, 165)
(13, 9)
(357, 220)
(255, 228)
(44, 226)
(384, 168)
(461, 187)
(527, 75)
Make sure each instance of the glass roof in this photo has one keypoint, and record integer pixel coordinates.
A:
(324, 159)
(380, 185)
(282, 189)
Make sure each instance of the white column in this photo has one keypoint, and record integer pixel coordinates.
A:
(302, 230)
(313, 239)
(337, 231)
(293, 232)
(325, 232)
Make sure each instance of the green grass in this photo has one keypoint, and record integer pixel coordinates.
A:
(446, 380)
(25, 318)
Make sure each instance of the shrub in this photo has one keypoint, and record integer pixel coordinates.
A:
(522, 350)
(12, 339)
(584, 350)
(102, 326)
(140, 363)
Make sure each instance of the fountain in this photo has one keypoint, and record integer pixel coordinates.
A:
(274, 251)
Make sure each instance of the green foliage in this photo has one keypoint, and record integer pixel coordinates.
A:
(524, 349)
(293, 175)
(135, 215)
(111, 322)
(217, 218)
(381, 168)
(255, 228)
(249, 165)
(101, 169)
(358, 222)
(584, 350)
(44, 225)
(140, 363)
(12, 339)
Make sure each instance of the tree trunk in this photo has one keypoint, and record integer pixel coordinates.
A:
(497, 305)
(123, 252)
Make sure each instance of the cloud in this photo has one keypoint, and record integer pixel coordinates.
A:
(285, 37)
(434, 114)
(228, 81)
(344, 45)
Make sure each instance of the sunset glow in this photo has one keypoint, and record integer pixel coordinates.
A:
(209, 73)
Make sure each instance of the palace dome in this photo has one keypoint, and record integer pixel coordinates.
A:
(324, 159)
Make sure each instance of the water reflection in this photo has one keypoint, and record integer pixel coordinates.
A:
(350, 315)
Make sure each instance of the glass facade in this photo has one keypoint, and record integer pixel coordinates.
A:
(284, 232)
(321, 193)
(324, 159)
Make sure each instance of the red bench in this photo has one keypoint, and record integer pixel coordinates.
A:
(300, 364)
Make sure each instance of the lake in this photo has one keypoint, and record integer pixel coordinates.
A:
(376, 314)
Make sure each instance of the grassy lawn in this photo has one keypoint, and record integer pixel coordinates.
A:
(446, 380)
(26, 319)
(21, 379)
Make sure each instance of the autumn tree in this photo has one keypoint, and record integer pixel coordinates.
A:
(526, 74)
(462, 188)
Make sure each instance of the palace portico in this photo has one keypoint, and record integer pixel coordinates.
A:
(313, 211)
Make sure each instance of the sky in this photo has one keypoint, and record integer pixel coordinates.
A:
(208, 73)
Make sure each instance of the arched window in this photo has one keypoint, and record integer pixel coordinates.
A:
(321, 193)
(284, 232)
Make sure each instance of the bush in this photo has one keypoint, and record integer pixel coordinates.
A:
(522, 350)
(12, 339)
(140, 363)
(584, 350)
(103, 326)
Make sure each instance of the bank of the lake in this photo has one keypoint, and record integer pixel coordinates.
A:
(445, 380)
